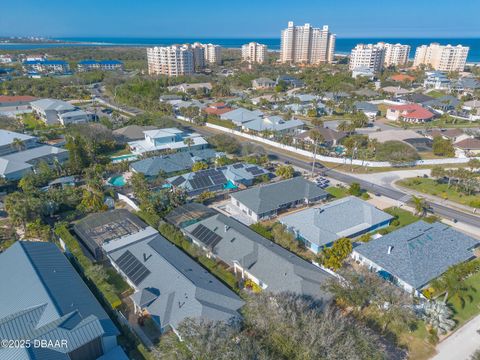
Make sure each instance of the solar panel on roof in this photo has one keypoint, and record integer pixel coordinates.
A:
(251, 168)
(257, 171)
(132, 267)
(206, 236)
(178, 181)
(237, 166)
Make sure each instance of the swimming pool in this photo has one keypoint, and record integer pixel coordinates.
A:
(117, 181)
(230, 185)
(127, 157)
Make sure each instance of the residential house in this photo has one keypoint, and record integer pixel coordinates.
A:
(363, 71)
(412, 113)
(467, 85)
(241, 115)
(167, 139)
(187, 88)
(436, 80)
(331, 138)
(227, 177)
(443, 104)
(468, 147)
(254, 258)
(169, 286)
(131, 133)
(218, 108)
(171, 163)
(15, 104)
(413, 256)
(290, 81)
(44, 299)
(98, 229)
(402, 78)
(395, 91)
(453, 134)
(20, 154)
(417, 98)
(266, 201)
(370, 110)
(263, 83)
(320, 226)
(57, 111)
(274, 124)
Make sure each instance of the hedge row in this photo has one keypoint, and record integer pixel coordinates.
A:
(73, 246)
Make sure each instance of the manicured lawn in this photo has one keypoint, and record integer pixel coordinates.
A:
(471, 306)
(436, 93)
(404, 217)
(337, 191)
(432, 187)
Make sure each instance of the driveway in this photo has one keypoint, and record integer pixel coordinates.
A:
(461, 344)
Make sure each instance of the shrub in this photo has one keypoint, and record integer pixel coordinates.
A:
(395, 222)
(383, 231)
(475, 203)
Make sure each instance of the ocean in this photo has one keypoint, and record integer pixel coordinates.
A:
(343, 45)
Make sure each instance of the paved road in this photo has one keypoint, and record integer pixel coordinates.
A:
(441, 210)
(461, 344)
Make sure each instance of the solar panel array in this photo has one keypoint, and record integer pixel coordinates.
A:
(254, 170)
(206, 236)
(237, 166)
(132, 267)
(178, 181)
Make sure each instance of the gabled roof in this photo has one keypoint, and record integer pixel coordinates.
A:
(270, 197)
(241, 115)
(159, 133)
(468, 144)
(132, 132)
(366, 106)
(419, 252)
(341, 218)
(7, 137)
(443, 101)
(176, 287)
(53, 104)
(35, 303)
(273, 265)
(272, 123)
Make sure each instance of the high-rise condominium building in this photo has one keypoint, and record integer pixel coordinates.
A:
(442, 57)
(396, 54)
(213, 53)
(172, 60)
(198, 56)
(254, 53)
(307, 45)
(369, 56)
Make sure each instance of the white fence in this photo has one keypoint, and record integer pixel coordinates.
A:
(336, 160)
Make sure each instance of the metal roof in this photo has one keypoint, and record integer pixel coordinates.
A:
(35, 303)
(270, 197)
(420, 252)
(275, 266)
(341, 218)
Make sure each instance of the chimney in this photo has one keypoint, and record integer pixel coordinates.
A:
(389, 251)
(226, 227)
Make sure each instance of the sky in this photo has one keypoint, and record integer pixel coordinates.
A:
(238, 18)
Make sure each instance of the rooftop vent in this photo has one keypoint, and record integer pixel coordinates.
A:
(146, 257)
(226, 227)
(390, 248)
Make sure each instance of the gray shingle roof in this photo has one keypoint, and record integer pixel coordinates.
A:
(171, 163)
(182, 287)
(35, 304)
(53, 104)
(275, 266)
(365, 106)
(341, 218)
(7, 137)
(420, 251)
(132, 132)
(270, 197)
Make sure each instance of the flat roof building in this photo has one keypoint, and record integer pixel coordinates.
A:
(442, 57)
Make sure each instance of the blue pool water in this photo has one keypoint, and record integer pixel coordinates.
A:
(117, 181)
(127, 157)
(230, 185)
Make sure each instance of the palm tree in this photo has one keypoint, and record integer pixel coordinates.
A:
(420, 205)
(18, 144)
(316, 137)
(189, 142)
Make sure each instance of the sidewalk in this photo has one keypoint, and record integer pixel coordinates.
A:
(461, 344)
